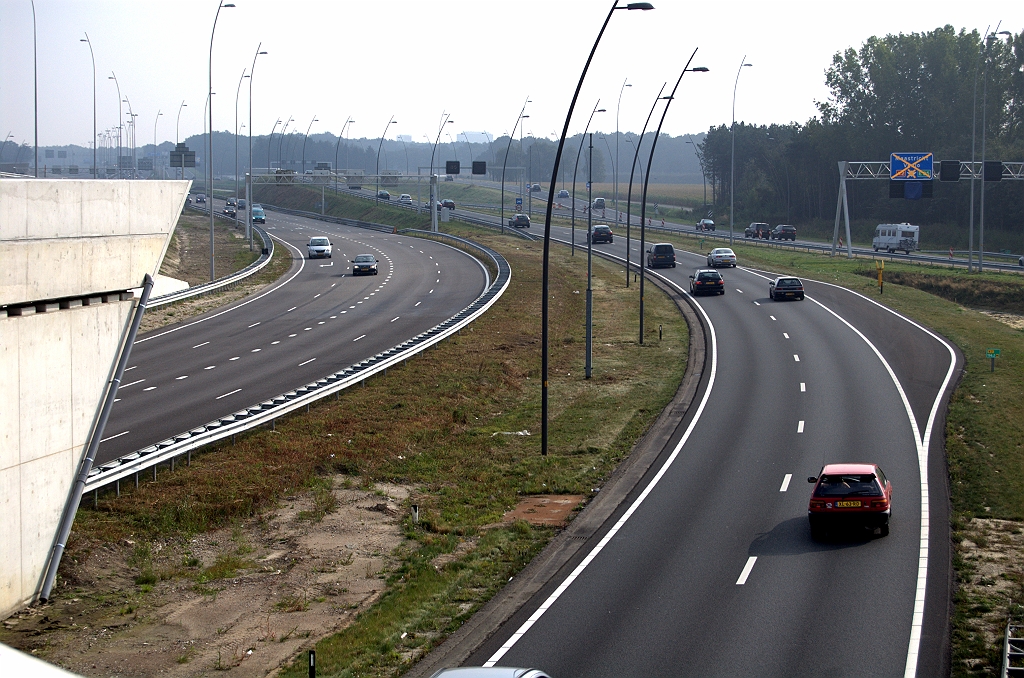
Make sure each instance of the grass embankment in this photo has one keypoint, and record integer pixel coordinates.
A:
(440, 424)
(984, 426)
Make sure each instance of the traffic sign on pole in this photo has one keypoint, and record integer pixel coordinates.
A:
(911, 167)
(519, 202)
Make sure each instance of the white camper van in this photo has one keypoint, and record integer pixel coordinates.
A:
(894, 237)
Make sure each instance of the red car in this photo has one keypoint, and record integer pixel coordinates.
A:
(850, 495)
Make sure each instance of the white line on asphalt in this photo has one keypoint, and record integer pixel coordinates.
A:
(395, 318)
(128, 369)
(307, 362)
(800, 426)
(785, 335)
(227, 394)
(359, 337)
(417, 304)
(803, 387)
(235, 358)
(202, 344)
(256, 350)
(209, 367)
(116, 435)
(430, 292)
(746, 571)
(274, 343)
(253, 325)
(349, 307)
(334, 316)
(796, 357)
(149, 388)
(184, 376)
(320, 323)
(307, 329)
(756, 304)
(739, 290)
(139, 381)
(334, 284)
(785, 482)
(292, 335)
(117, 400)
(291, 309)
(315, 296)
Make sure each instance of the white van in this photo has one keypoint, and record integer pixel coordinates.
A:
(893, 237)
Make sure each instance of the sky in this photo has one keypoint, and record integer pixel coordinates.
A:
(477, 60)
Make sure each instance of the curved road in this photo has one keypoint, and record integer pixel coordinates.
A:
(708, 567)
(318, 319)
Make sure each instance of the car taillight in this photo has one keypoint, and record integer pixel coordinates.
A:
(879, 503)
(817, 504)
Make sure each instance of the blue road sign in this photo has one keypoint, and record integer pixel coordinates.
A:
(519, 202)
(911, 167)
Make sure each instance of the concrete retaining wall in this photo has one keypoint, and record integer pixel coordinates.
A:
(64, 247)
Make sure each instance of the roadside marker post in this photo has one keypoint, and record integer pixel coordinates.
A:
(880, 265)
(991, 354)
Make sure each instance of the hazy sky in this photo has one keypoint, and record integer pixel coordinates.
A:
(415, 59)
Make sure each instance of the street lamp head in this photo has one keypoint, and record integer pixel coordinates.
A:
(701, 69)
(261, 52)
(638, 5)
(229, 4)
(748, 64)
(601, 110)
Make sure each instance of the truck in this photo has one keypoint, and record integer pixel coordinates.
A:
(895, 237)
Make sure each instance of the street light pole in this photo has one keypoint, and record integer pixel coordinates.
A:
(304, 143)
(622, 89)
(984, 110)
(248, 195)
(547, 221)
(155, 121)
(177, 127)
(220, 5)
(732, 165)
(650, 164)
(589, 365)
(280, 143)
(270, 140)
(391, 121)
(632, 171)
(576, 167)
(120, 118)
(505, 163)
(446, 119)
(703, 174)
(238, 91)
(35, 86)
(337, 147)
(91, 54)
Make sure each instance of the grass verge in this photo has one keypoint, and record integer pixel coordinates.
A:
(451, 425)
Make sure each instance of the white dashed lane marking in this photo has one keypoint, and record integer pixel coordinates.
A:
(209, 367)
(184, 376)
(307, 362)
(395, 318)
(785, 335)
(137, 381)
(746, 571)
(116, 435)
(129, 369)
(800, 426)
(253, 325)
(803, 387)
(796, 358)
(417, 303)
(359, 337)
(235, 358)
(785, 482)
(149, 388)
(202, 344)
(227, 394)
(291, 309)
(772, 317)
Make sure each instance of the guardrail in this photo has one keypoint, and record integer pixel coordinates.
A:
(206, 288)
(1013, 651)
(269, 410)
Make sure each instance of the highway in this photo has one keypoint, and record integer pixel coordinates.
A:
(316, 320)
(708, 568)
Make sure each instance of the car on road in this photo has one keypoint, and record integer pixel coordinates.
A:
(364, 264)
(535, 188)
(383, 195)
(450, 204)
(849, 495)
(661, 254)
(705, 225)
(757, 230)
(784, 232)
(706, 281)
(258, 215)
(241, 204)
(601, 233)
(319, 247)
(230, 211)
(598, 204)
(188, 201)
(405, 199)
(232, 202)
(785, 287)
(563, 194)
(722, 256)
(200, 198)
(519, 221)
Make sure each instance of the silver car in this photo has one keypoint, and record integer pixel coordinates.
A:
(722, 256)
(319, 247)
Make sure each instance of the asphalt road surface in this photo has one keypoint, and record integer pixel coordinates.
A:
(708, 567)
(318, 319)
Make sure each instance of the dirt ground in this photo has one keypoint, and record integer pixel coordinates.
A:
(296, 581)
(1011, 319)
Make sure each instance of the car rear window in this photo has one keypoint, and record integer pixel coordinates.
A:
(788, 282)
(663, 249)
(317, 242)
(365, 259)
(848, 485)
(708, 276)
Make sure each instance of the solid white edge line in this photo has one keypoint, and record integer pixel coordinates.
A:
(138, 381)
(746, 571)
(244, 303)
(633, 507)
(227, 394)
(307, 362)
(785, 482)
(116, 435)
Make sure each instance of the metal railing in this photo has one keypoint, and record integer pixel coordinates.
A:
(1013, 651)
(269, 410)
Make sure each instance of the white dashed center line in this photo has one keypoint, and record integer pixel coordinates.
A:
(236, 357)
(292, 335)
(359, 337)
(315, 296)
(116, 435)
(149, 388)
(129, 369)
(746, 571)
(395, 318)
(739, 290)
(256, 350)
(430, 292)
(800, 426)
(209, 367)
(274, 343)
(291, 309)
(227, 394)
(417, 304)
(803, 387)
(202, 344)
(785, 335)
(253, 325)
(184, 376)
(307, 362)
(796, 358)
(756, 304)
(785, 482)
(138, 381)
(772, 317)
(320, 323)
